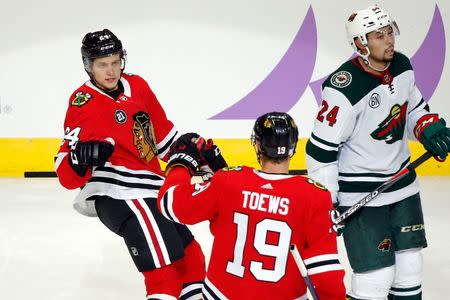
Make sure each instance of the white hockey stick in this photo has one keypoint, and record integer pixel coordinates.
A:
(301, 266)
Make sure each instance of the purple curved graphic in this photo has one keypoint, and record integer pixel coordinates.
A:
(428, 61)
(284, 86)
(316, 86)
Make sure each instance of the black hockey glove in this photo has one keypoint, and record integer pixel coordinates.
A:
(184, 153)
(434, 136)
(90, 154)
(212, 156)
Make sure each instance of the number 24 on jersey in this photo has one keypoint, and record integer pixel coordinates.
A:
(328, 115)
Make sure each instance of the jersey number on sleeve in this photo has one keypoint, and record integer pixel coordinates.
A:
(72, 137)
(278, 251)
(330, 116)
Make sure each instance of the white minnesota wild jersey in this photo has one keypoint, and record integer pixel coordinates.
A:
(360, 136)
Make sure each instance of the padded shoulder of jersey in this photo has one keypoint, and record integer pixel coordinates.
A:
(81, 96)
(400, 64)
(355, 83)
(351, 81)
(132, 77)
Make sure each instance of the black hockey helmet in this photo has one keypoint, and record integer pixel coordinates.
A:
(100, 44)
(275, 135)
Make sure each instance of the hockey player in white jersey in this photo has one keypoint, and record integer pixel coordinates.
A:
(371, 107)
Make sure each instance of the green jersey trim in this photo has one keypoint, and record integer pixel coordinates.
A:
(378, 175)
(324, 141)
(367, 186)
(319, 154)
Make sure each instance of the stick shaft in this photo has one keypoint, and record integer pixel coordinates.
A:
(384, 186)
(301, 266)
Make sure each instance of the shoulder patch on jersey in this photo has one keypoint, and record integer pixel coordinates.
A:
(238, 168)
(81, 98)
(385, 245)
(316, 184)
(341, 79)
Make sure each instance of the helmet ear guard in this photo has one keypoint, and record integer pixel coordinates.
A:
(101, 43)
(275, 135)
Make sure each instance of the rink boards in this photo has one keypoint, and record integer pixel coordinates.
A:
(35, 156)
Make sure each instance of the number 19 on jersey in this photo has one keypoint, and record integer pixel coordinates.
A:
(278, 251)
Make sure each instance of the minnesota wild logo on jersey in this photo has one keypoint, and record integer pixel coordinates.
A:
(393, 127)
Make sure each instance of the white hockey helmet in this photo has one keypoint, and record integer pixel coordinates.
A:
(361, 22)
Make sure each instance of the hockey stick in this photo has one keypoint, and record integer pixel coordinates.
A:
(384, 186)
(301, 266)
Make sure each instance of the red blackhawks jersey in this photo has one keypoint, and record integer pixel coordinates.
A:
(255, 217)
(138, 127)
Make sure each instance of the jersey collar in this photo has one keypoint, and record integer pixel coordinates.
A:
(270, 176)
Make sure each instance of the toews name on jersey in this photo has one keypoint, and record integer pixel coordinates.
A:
(265, 203)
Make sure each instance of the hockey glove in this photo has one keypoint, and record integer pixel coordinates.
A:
(184, 153)
(90, 154)
(434, 136)
(212, 156)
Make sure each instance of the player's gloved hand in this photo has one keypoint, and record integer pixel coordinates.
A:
(90, 154)
(334, 215)
(434, 136)
(184, 153)
(212, 156)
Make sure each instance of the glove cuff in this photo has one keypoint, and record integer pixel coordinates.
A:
(217, 164)
(79, 170)
(213, 156)
(423, 123)
(184, 160)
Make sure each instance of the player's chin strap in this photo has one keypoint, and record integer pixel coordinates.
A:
(366, 60)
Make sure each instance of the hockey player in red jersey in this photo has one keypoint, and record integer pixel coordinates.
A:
(255, 216)
(115, 131)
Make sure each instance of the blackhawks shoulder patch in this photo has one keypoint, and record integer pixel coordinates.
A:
(237, 168)
(341, 79)
(81, 99)
(316, 184)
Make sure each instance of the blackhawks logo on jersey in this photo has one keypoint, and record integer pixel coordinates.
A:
(143, 136)
(81, 99)
(316, 184)
(393, 127)
(236, 168)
